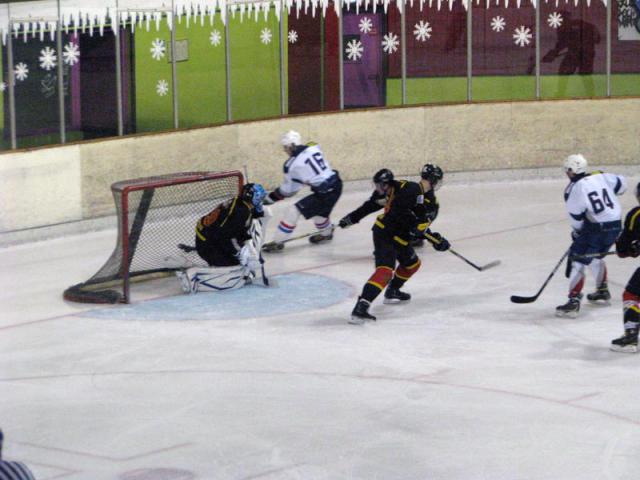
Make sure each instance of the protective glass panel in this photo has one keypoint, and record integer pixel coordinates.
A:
(35, 73)
(368, 43)
(573, 50)
(436, 54)
(503, 55)
(255, 65)
(202, 91)
(152, 84)
(308, 65)
(625, 48)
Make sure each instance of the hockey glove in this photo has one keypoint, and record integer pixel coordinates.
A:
(575, 234)
(634, 249)
(439, 243)
(345, 222)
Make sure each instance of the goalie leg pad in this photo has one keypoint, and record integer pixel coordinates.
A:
(197, 279)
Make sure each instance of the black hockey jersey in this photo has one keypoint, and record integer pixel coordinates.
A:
(630, 233)
(406, 207)
(229, 220)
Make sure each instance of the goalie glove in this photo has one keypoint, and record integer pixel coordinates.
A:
(439, 243)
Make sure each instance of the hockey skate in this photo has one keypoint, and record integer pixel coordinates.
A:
(628, 343)
(185, 282)
(360, 313)
(394, 295)
(601, 296)
(273, 247)
(320, 238)
(569, 309)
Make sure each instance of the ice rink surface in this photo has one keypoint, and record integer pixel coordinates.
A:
(274, 384)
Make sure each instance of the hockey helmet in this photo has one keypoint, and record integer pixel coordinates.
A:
(254, 193)
(575, 163)
(383, 176)
(433, 174)
(291, 138)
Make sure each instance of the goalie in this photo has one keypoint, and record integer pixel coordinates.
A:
(229, 239)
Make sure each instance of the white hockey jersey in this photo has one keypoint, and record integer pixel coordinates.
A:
(593, 198)
(308, 167)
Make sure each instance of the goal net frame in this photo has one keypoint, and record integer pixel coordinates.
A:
(102, 288)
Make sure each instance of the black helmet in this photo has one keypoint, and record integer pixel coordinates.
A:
(432, 173)
(384, 176)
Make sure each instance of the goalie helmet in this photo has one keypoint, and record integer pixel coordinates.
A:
(433, 174)
(253, 193)
(384, 176)
(575, 163)
(291, 138)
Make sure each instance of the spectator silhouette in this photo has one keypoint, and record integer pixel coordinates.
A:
(576, 43)
(13, 470)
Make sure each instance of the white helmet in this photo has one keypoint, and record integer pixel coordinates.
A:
(575, 163)
(291, 138)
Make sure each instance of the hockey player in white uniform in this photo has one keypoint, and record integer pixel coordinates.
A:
(595, 215)
(306, 166)
(229, 239)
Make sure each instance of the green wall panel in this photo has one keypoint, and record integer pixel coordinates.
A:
(153, 111)
(201, 79)
(427, 90)
(503, 88)
(573, 86)
(625, 84)
(255, 67)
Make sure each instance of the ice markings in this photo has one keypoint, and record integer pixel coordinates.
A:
(292, 293)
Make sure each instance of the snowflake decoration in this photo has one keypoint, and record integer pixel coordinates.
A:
(522, 36)
(157, 49)
(365, 25)
(354, 50)
(265, 36)
(48, 58)
(390, 43)
(554, 20)
(293, 36)
(71, 54)
(162, 88)
(422, 31)
(215, 38)
(3, 86)
(21, 71)
(497, 24)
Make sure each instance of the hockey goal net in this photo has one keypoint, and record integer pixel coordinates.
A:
(154, 216)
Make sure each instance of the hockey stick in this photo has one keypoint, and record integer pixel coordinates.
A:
(489, 265)
(592, 255)
(304, 235)
(519, 299)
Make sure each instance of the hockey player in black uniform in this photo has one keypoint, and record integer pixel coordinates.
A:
(409, 209)
(228, 236)
(628, 245)
(221, 234)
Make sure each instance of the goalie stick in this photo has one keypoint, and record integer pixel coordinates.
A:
(519, 299)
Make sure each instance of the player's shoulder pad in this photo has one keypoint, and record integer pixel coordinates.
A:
(633, 218)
